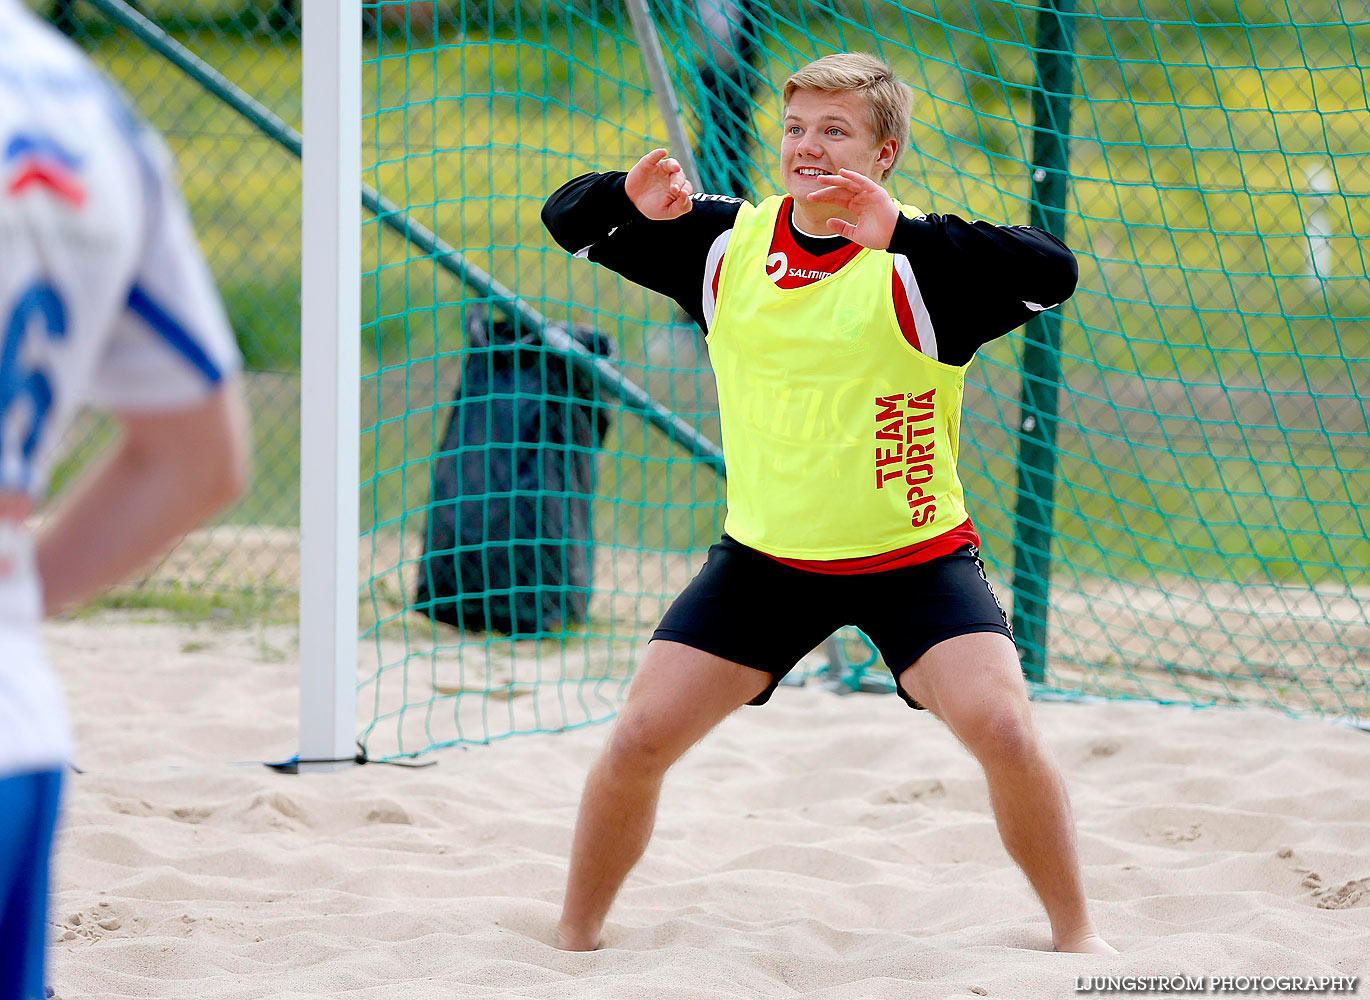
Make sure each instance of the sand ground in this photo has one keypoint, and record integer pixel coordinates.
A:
(820, 847)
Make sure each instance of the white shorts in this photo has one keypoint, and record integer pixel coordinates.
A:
(33, 718)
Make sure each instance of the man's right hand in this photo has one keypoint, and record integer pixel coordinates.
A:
(658, 188)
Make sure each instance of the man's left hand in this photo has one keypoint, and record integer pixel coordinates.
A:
(875, 211)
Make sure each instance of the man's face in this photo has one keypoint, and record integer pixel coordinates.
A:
(824, 132)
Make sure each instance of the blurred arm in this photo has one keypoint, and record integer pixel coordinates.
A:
(169, 473)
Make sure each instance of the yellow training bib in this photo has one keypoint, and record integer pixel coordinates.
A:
(840, 437)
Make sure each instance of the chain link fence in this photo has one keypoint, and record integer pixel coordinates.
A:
(243, 192)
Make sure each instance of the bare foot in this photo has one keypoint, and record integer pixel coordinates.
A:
(569, 940)
(1087, 944)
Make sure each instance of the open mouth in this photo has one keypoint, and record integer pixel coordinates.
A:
(810, 172)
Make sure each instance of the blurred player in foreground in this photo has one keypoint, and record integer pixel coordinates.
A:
(840, 325)
(104, 299)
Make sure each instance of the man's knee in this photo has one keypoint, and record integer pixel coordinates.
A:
(998, 732)
(638, 748)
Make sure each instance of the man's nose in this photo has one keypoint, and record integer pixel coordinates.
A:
(809, 145)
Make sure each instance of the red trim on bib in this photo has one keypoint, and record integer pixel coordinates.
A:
(911, 555)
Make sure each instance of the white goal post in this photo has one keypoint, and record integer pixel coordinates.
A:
(330, 381)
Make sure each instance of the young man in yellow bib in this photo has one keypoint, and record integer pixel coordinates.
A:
(839, 326)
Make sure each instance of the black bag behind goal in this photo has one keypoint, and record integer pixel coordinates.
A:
(508, 543)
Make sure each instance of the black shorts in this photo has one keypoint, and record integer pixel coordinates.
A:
(748, 608)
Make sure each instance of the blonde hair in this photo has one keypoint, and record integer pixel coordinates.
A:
(890, 100)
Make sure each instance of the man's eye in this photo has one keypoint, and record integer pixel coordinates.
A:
(834, 131)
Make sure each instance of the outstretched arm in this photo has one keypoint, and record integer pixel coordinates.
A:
(170, 472)
(588, 209)
(661, 240)
(979, 280)
(1003, 266)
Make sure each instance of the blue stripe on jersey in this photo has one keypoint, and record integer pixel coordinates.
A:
(173, 333)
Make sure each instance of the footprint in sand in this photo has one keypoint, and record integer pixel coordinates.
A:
(190, 814)
(143, 808)
(275, 810)
(94, 923)
(388, 812)
(1104, 748)
(1344, 896)
(910, 791)
(1177, 836)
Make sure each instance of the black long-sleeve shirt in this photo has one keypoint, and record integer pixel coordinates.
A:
(978, 281)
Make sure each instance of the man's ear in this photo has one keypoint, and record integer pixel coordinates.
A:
(888, 149)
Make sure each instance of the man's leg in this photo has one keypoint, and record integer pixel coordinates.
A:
(678, 695)
(975, 685)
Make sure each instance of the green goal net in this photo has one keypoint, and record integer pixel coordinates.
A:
(1171, 473)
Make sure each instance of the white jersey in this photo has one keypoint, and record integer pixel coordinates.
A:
(104, 299)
